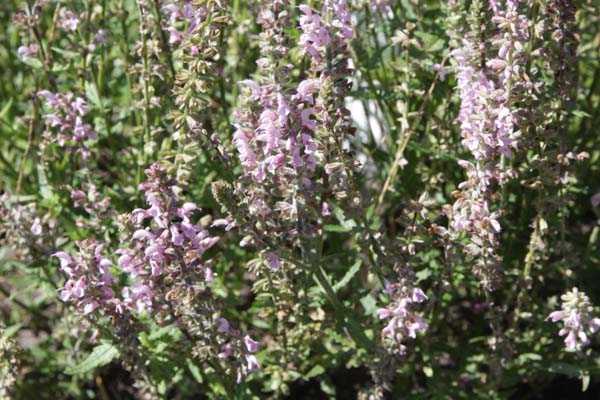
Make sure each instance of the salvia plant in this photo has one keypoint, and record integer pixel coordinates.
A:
(337, 199)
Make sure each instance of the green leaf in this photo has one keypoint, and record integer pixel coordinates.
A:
(422, 275)
(526, 358)
(569, 370)
(6, 108)
(585, 380)
(34, 63)
(45, 189)
(328, 388)
(336, 228)
(100, 356)
(371, 211)
(194, 370)
(348, 276)
(162, 333)
(369, 304)
(66, 53)
(428, 371)
(12, 330)
(92, 95)
(580, 113)
(315, 371)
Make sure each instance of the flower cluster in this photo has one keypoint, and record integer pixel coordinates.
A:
(68, 20)
(280, 140)
(90, 284)
(403, 321)
(320, 35)
(562, 15)
(490, 131)
(168, 276)
(478, 119)
(240, 350)
(165, 258)
(183, 13)
(275, 129)
(91, 200)
(576, 316)
(27, 52)
(22, 230)
(169, 244)
(511, 40)
(67, 116)
(27, 20)
(396, 258)
(331, 68)
(287, 134)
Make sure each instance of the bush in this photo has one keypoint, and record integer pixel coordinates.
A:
(284, 199)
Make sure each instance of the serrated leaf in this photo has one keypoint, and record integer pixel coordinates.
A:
(348, 276)
(162, 332)
(92, 95)
(422, 275)
(100, 356)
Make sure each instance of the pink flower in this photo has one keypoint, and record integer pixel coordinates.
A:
(251, 344)
(65, 259)
(403, 322)
(326, 209)
(68, 20)
(576, 316)
(274, 261)
(256, 90)
(27, 52)
(253, 364)
(101, 37)
(223, 325)
(226, 351)
(307, 88)
(174, 35)
(89, 283)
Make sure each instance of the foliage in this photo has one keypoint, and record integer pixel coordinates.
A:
(282, 199)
